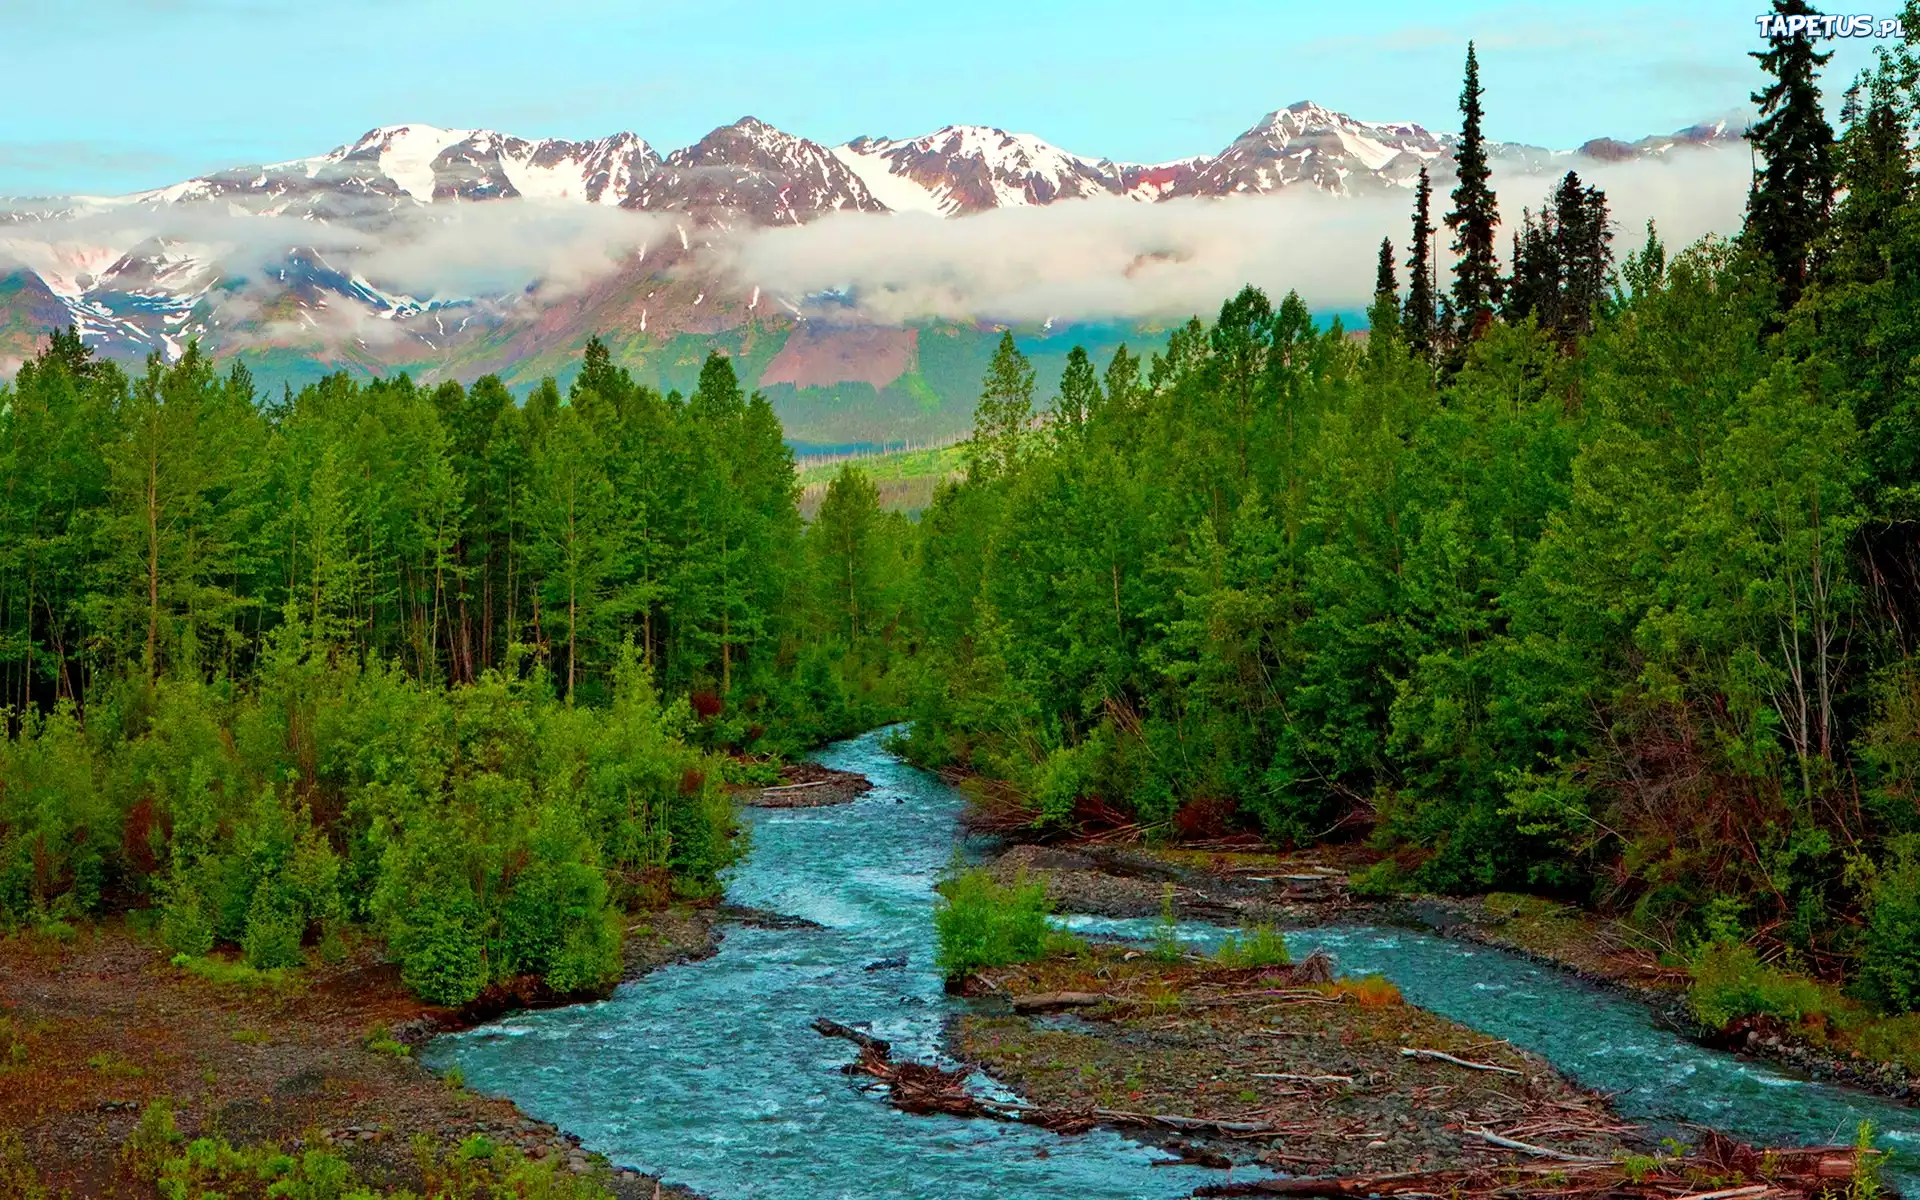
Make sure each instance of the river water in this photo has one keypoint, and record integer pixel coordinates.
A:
(706, 1073)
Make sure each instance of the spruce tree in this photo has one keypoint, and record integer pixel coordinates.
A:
(1792, 196)
(1476, 279)
(1418, 322)
(1383, 316)
(1583, 250)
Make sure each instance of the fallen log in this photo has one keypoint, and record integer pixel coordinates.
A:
(1054, 1001)
(1507, 1143)
(866, 1041)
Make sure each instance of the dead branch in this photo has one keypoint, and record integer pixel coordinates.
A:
(1443, 1056)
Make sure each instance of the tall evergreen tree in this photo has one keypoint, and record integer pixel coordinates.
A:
(1419, 317)
(1383, 316)
(1476, 278)
(1005, 410)
(1792, 196)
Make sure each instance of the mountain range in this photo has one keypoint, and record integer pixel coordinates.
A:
(292, 266)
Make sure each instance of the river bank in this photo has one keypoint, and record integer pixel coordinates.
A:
(1307, 1078)
(98, 1024)
(1310, 888)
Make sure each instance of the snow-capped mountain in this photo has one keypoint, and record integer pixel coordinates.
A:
(1305, 143)
(148, 271)
(965, 169)
(424, 164)
(750, 171)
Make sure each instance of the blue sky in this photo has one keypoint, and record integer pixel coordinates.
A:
(112, 95)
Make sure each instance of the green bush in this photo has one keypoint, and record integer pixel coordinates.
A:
(1263, 946)
(1890, 946)
(1730, 982)
(184, 927)
(272, 937)
(982, 923)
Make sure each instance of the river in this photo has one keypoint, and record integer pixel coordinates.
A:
(707, 1074)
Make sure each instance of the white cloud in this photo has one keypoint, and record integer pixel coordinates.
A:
(1116, 259)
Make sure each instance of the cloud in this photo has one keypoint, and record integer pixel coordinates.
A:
(485, 251)
(1116, 259)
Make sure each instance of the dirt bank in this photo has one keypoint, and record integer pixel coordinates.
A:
(1308, 1079)
(1311, 888)
(806, 785)
(105, 1024)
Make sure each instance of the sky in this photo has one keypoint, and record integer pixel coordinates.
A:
(111, 96)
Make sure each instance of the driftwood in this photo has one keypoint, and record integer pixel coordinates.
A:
(797, 787)
(922, 1088)
(1794, 1174)
(1054, 1001)
(1441, 1056)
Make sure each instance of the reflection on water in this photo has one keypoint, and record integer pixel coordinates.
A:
(706, 1073)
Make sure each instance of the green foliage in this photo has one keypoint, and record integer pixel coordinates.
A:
(1890, 944)
(213, 1168)
(380, 1040)
(1730, 981)
(981, 923)
(1167, 946)
(1261, 946)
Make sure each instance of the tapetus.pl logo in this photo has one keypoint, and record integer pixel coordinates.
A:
(1860, 25)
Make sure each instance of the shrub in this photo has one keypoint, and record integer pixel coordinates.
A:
(1730, 982)
(986, 924)
(184, 927)
(441, 954)
(1896, 1039)
(1890, 947)
(1262, 947)
(1371, 991)
(1166, 935)
(272, 937)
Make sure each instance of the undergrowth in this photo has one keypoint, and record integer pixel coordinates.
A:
(212, 1168)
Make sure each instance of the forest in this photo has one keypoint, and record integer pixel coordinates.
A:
(1594, 575)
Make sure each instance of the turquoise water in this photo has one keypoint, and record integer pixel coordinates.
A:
(706, 1073)
(1603, 1039)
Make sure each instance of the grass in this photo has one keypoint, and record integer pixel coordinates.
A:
(236, 974)
(380, 1040)
(900, 464)
(1262, 947)
(158, 1154)
(1371, 991)
(111, 1064)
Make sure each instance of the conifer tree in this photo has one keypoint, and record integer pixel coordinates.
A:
(1005, 410)
(1476, 279)
(1383, 317)
(1418, 322)
(1792, 195)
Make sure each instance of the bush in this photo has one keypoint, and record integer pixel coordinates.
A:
(272, 937)
(440, 954)
(1262, 947)
(184, 927)
(1730, 982)
(1890, 947)
(986, 924)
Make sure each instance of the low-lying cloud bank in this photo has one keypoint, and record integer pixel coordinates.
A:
(1101, 259)
(1116, 259)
